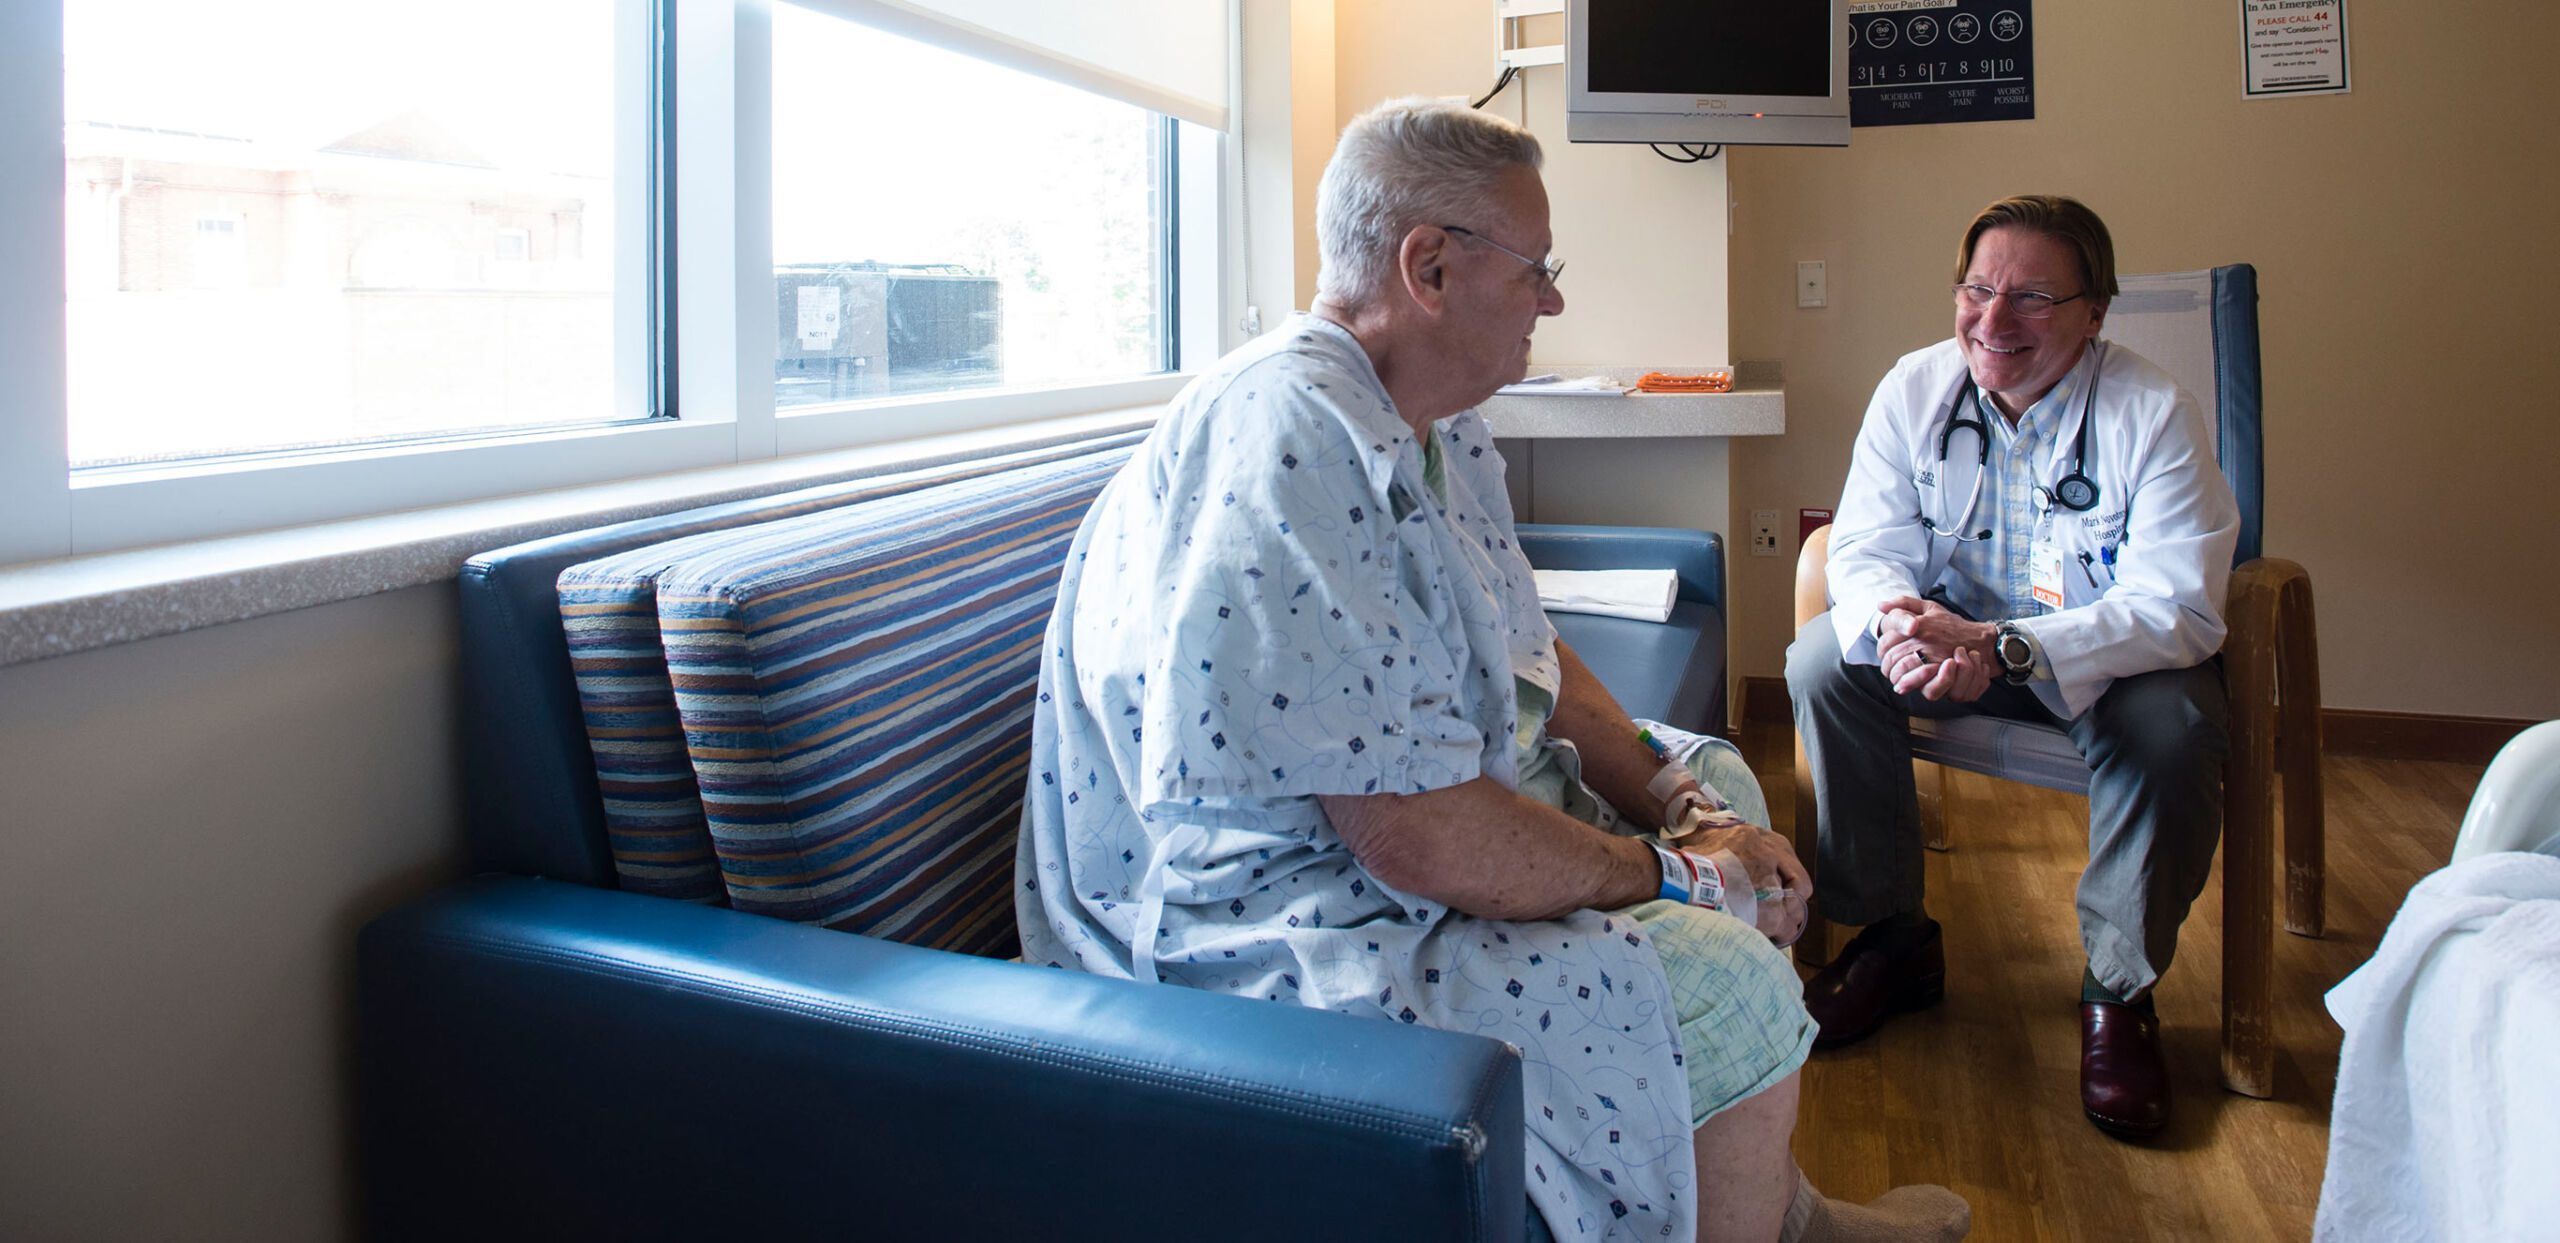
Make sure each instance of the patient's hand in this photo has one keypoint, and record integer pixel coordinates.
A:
(1782, 919)
(1775, 872)
(1773, 865)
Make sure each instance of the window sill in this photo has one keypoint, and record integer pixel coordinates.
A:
(74, 604)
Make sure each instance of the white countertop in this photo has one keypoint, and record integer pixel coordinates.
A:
(1757, 406)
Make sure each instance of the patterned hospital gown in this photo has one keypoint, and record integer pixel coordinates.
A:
(1245, 623)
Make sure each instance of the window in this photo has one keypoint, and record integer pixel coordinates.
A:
(218, 260)
(1006, 232)
(275, 216)
(326, 258)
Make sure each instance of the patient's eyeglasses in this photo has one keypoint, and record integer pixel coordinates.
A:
(1547, 271)
(2023, 303)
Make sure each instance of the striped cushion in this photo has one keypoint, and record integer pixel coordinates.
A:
(855, 690)
(652, 812)
(609, 609)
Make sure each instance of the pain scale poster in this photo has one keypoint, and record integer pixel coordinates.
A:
(1936, 62)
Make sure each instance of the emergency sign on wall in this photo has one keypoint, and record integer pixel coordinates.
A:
(2289, 47)
(1933, 62)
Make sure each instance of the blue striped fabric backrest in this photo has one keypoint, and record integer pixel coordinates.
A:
(652, 811)
(855, 692)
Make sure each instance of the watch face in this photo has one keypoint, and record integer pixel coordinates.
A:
(2014, 651)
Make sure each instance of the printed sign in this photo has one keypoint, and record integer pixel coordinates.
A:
(821, 314)
(1933, 62)
(2293, 47)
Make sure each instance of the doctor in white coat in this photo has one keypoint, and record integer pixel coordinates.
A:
(2034, 527)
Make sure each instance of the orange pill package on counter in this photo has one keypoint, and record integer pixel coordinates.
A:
(1719, 381)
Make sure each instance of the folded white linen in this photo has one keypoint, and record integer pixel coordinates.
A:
(2444, 1126)
(1645, 595)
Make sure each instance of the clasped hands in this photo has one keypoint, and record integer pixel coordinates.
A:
(1925, 646)
(1774, 868)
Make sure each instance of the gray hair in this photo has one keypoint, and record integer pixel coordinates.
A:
(1401, 165)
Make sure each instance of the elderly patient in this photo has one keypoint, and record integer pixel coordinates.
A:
(1304, 733)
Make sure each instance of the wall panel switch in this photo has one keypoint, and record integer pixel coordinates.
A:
(1764, 532)
(1813, 286)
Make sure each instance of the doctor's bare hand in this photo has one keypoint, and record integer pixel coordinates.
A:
(1962, 677)
(1933, 628)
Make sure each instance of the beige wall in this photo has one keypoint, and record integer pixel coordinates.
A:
(2406, 252)
(1287, 94)
(1644, 239)
(191, 831)
(1311, 130)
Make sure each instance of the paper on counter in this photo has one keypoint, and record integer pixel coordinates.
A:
(1555, 386)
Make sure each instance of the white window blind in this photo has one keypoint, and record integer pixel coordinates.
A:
(1167, 56)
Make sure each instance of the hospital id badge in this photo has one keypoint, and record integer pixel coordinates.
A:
(2044, 566)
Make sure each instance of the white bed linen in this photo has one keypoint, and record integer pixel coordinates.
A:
(2447, 1118)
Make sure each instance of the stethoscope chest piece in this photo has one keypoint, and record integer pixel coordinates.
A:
(2076, 491)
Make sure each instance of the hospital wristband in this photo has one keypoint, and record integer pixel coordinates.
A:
(1690, 878)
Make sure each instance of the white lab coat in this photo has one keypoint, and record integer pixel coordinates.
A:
(2159, 540)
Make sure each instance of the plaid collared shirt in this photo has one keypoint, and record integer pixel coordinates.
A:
(1992, 579)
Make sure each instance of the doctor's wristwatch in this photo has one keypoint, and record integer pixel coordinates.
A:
(2017, 655)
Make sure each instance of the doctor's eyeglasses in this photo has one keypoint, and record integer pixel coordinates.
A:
(2023, 303)
(1548, 272)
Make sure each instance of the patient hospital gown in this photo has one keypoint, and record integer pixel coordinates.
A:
(1271, 602)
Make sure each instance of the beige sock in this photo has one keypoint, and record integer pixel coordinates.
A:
(1920, 1213)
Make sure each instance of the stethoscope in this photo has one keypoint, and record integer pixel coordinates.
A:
(2074, 491)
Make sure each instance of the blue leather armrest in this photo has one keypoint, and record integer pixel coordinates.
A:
(541, 1059)
(1672, 671)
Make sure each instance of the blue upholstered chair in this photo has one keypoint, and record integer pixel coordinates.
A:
(1670, 671)
(585, 1042)
(553, 1050)
(2202, 328)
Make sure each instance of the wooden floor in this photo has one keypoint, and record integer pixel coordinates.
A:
(1982, 1092)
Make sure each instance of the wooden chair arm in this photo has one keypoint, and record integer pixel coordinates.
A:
(1813, 576)
(2272, 645)
(2271, 670)
(2257, 590)
(1813, 599)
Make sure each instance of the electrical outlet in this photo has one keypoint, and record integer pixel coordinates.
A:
(1813, 284)
(1764, 532)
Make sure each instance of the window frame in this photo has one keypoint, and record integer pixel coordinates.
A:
(704, 320)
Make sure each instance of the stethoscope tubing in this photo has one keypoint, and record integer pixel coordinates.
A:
(2075, 491)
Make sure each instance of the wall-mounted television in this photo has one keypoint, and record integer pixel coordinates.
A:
(1743, 72)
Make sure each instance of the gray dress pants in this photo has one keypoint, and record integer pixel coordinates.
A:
(2154, 742)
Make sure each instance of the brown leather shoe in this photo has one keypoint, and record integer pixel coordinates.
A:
(1876, 976)
(2124, 1086)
